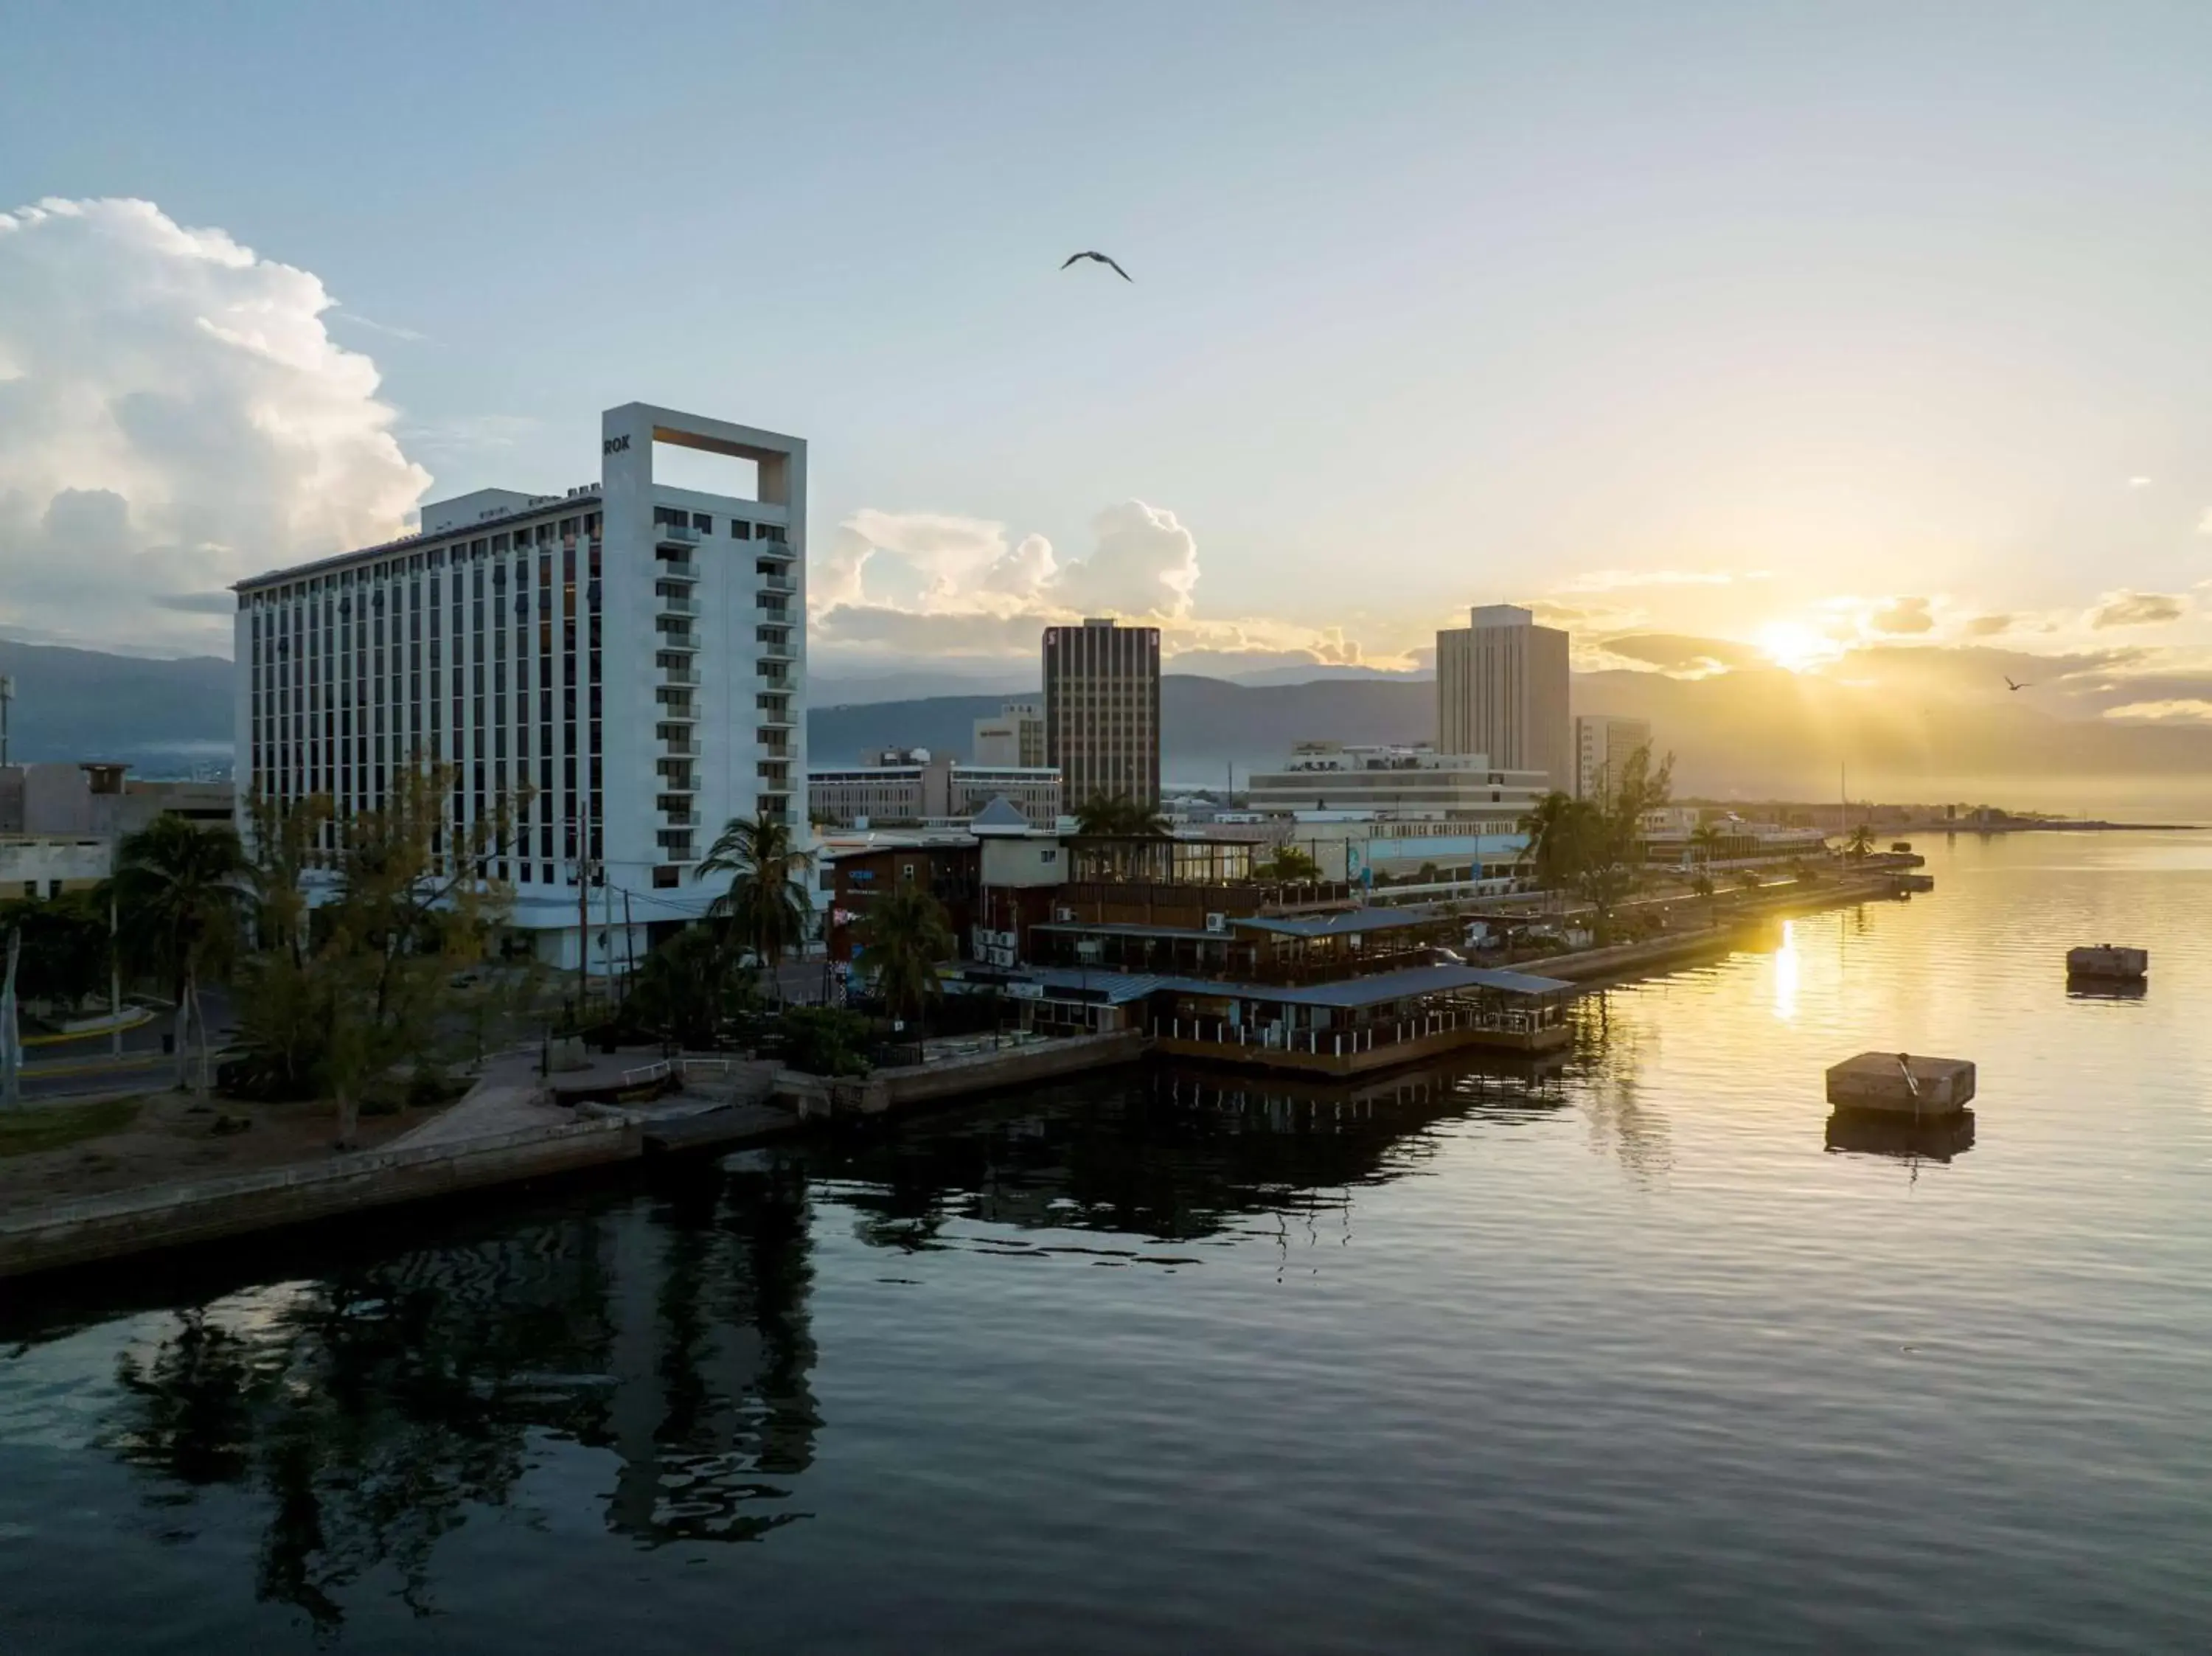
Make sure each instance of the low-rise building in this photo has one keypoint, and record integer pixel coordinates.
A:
(1397, 781)
(40, 866)
(912, 786)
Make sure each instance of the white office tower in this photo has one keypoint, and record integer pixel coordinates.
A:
(1502, 692)
(1602, 745)
(626, 660)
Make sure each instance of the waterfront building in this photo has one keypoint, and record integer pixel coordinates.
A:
(1405, 781)
(1101, 699)
(1015, 737)
(623, 665)
(906, 787)
(1502, 692)
(1602, 745)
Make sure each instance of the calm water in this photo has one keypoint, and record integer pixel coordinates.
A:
(1618, 1357)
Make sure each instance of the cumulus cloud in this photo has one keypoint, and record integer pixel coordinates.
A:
(173, 416)
(1677, 655)
(2131, 609)
(1903, 616)
(902, 583)
(1988, 626)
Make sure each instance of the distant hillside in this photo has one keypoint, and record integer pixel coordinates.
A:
(158, 717)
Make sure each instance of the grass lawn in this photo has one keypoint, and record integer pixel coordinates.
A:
(50, 1127)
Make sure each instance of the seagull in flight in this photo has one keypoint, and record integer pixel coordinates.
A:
(2011, 685)
(1101, 259)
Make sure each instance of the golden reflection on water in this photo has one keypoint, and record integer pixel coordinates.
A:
(1786, 974)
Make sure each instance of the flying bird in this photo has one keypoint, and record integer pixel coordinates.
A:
(2010, 685)
(1101, 259)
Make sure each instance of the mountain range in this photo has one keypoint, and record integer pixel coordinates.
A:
(1754, 733)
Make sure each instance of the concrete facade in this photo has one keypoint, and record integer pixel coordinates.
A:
(1602, 745)
(1102, 697)
(625, 662)
(1014, 737)
(1502, 692)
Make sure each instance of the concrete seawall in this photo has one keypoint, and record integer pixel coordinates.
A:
(1631, 959)
(955, 1077)
(168, 1215)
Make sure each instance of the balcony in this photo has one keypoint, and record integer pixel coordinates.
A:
(773, 744)
(677, 746)
(670, 714)
(779, 652)
(672, 674)
(772, 606)
(677, 569)
(778, 583)
(670, 605)
(771, 678)
(777, 548)
(679, 536)
(775, 719)
(674, 776)
(686, 641)
(670, 803)
(679, 815)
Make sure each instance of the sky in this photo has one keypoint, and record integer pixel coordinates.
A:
(1807, 335)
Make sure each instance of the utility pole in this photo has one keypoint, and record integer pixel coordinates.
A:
(7, 695)
(11, 1045)
(114, 978)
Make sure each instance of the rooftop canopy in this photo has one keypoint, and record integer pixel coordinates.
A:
(1356, 922)
(1374, 990)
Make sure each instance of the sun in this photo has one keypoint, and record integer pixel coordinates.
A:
(1794, 645)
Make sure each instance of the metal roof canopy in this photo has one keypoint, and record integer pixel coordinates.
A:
(1345, 994)
(1350, 923)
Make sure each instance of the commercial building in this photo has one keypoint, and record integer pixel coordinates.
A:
(620, 666)
(907, 786)
(1016, 736)
(1602, 745)
(1405, 781)
(1101, 702)
(1502, 692)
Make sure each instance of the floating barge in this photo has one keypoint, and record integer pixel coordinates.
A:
(1894, 1084)
(2109, 962)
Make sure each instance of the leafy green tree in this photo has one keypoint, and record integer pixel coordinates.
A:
(1289, 864)
(904, 936)
(65, 945)
(1120, 817)
(825, 1040)
(771, 897)
(387, 976)
(180, 890)
(689, 989)
(1593, 848)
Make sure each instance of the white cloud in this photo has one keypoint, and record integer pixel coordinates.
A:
(2126, 608)
(1903, 616)
(2183, 709)
(173, 416)
(897, 584)
(2138, 483)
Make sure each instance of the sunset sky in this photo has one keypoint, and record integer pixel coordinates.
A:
(1723, 334)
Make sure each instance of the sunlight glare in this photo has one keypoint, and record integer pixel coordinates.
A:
(1794, 645)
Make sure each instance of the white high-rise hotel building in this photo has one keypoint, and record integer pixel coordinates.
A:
(628, 659)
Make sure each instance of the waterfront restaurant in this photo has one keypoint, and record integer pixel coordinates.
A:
(1345, 1027)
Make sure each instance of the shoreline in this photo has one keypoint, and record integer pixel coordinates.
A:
(92, 1232)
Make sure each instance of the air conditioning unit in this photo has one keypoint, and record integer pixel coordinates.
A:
(1217, 922)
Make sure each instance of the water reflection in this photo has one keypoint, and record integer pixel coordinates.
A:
(370, 1409)
(1176, 1156)
(1876, 1132)
(1786, 970)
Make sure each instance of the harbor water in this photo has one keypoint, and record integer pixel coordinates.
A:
(1620, 1353)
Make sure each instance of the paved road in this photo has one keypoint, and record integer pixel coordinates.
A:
(87, 1064)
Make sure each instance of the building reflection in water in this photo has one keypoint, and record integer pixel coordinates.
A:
(371, 1403)
(1176, 1155)
(372, 1408)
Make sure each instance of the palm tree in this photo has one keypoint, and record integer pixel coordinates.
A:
(1705, 841)
(180, 889)
(1559, 835)
(1118, 816)
(770, 897)
(1859, 843)
(904, 934)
